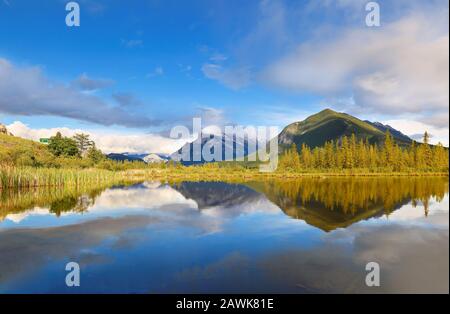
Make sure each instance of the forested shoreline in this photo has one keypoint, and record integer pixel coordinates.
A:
(352, 153)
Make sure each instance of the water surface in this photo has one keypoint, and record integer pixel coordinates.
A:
(298, 236)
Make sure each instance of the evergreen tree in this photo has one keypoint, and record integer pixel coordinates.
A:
(349, 153)
(427, 153)
(83, 143)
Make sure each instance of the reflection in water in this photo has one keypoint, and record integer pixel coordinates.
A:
(210, 194)
(58, 201)
(339, 202)
(219, 237)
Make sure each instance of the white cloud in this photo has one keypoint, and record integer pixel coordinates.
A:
(416, 129)
(234, 78)
(399, 68)
(108, 142)
(26, 91)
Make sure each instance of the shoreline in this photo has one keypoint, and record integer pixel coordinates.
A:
(53, 177)
(281, 176)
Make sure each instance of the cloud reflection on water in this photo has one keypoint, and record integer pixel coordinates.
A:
(223, 237)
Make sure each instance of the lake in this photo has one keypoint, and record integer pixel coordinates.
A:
(277, 236)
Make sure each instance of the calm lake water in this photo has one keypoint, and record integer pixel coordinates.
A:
(300, 236)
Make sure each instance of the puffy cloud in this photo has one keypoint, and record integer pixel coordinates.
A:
(108, 142)
(26, 91)
(398, 68)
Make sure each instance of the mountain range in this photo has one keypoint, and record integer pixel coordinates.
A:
(148, 157)
(314, 131)
(240, 148)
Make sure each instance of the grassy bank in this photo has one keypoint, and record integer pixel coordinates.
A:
(26, 177)
(201, 174)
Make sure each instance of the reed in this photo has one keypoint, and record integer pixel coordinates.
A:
(27, 177)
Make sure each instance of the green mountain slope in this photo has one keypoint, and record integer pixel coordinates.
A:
(330, 125)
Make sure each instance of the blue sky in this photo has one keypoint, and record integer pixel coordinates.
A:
(134, 69)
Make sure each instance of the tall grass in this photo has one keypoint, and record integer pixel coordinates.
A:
(26, 177)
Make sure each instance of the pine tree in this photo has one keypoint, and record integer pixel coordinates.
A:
(296, 165)
(428, 154)
(83, 143)
(388, 150)
(349, 153)
(305, 156)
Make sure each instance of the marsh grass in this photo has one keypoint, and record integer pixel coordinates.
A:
(227, 174)
(27, 177)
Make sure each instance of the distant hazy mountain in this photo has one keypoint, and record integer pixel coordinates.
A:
(122, 157)
(148, 158)
(330, 125)
(134, 155)
(240, 147)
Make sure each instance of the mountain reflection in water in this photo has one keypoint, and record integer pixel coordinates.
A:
(327, 204)
(334, 203)
(303, 235)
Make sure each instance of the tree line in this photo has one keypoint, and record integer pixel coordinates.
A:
(80, 151)
(349, 152)
(80, 145)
